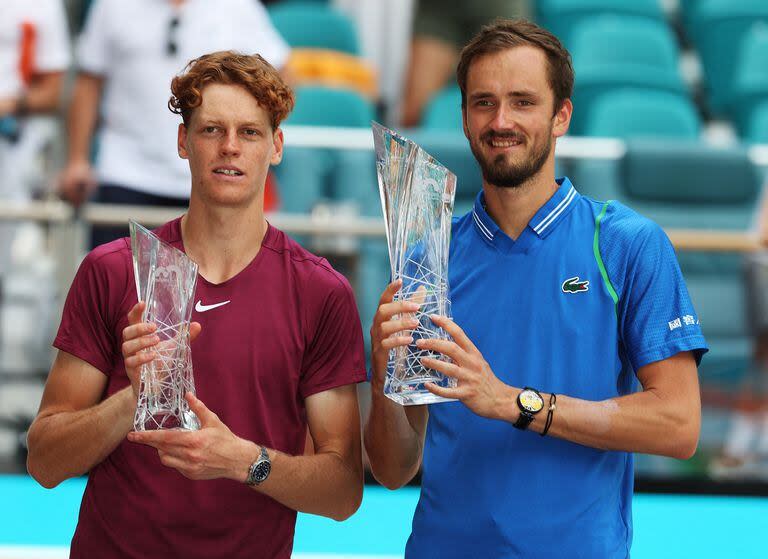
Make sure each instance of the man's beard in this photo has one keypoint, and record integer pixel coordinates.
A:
(510, 175)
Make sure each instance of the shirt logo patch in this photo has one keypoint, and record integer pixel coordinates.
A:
(199, 307)
(573, 285)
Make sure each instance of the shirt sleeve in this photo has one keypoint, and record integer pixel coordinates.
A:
(260, 36)
(93, 53)
(657, 318)
(89, 316)
(335, 354)
(52, 52)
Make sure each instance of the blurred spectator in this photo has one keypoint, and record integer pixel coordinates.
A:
(33, 56)
(745, 450)
(440, 29)
(127, 55)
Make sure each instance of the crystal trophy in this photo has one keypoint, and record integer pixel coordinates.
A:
(417, 195)
(165, 281)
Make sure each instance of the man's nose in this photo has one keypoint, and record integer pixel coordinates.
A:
(503, 118)
(230, 143)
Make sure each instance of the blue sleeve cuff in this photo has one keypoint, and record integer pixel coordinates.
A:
(697, 344)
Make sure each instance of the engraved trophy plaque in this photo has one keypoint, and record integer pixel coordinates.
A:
(417, 195)
(165, 281)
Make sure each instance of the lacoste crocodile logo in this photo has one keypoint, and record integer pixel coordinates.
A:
(573, 285)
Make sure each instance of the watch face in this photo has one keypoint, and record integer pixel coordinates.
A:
(531, 401)
(261, 471)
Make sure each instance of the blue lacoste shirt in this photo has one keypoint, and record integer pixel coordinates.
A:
(588, 293)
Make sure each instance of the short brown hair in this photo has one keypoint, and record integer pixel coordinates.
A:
(504, 34)
(228, 67)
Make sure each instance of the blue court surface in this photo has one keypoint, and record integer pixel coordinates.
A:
(36, 523)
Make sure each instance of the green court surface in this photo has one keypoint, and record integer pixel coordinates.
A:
(38, 523)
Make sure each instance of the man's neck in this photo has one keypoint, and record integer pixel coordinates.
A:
(223, 241)
(513, 208)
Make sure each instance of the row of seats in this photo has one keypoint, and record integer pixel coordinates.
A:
(625, 55)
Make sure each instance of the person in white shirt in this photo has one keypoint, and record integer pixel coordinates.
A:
(127, 55)
(34, 53)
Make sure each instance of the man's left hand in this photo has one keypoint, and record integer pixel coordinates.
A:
(478, 387)
(210, 453)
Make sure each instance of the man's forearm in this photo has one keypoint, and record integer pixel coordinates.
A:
(394, 447)
(325, 484)
(82, 116)
(67, 444)
(639, 422)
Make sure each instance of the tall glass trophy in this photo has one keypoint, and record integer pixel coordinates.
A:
(417, 195)
(165, 280)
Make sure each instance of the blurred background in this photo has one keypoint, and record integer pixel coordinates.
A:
(671, 118)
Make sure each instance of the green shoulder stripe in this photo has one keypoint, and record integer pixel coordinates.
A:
(599, 259)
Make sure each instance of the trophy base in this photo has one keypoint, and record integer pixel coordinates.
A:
(412, 393)
(166, 421)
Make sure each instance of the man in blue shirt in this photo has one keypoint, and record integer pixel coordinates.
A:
(561, 305)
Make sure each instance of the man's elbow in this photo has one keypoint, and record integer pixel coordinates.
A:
(349, 507)
(39, 473)
(391, 476)
(685, 441)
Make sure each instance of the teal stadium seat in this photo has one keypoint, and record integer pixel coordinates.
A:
(748, 97)
(562, 16)
(757, 129)
(717, 28)
(628, 114)
(688, 185)
(443, 112)
(306, 24)
(309, 175)
(611, 52)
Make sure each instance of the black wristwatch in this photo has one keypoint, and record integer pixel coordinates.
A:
(259, 470)
(530, 403)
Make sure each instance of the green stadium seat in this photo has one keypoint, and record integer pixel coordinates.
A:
(613, 52)
(562, 16)
(717, 29)
(306, 24)
(682, 184)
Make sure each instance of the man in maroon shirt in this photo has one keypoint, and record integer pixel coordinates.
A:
(278, 348)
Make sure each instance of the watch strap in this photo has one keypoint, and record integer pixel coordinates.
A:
(524, 420)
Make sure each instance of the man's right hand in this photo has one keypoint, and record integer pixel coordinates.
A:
(138, 340)
(392, 317)
(76, 182)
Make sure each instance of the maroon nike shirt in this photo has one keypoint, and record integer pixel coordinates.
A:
(284, 328)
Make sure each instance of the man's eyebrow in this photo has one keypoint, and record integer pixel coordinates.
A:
(516, 93)
(480, 94)
(522, 93)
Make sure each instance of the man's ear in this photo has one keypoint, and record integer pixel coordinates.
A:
(562, 119)
(181, 141)
(277, 139)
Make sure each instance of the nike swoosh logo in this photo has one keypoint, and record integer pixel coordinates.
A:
(199, 307)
